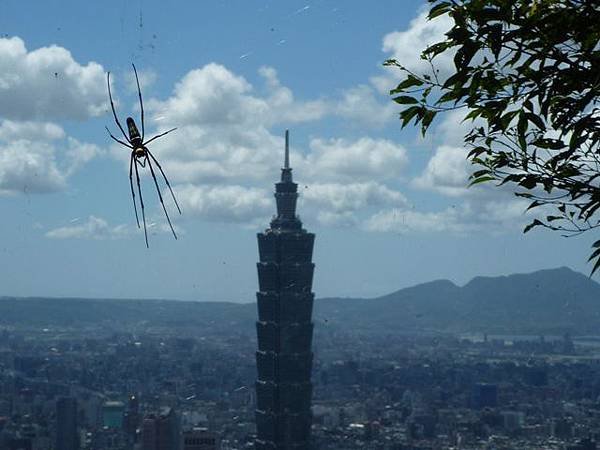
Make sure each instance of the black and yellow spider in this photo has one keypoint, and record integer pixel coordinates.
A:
(140, 155)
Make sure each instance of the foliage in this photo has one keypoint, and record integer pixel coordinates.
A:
(527, 74)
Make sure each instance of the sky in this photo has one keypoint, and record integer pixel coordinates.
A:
(390, 208)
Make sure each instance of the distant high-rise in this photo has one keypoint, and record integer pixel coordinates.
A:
(284, 326)
(200, 439)
(112, 414)
(66, 424)
(485, 395)
(161, 432)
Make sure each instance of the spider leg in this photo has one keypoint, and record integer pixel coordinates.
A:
(140, 95)
(159, 135)
(112, 105)
(131, 162)
(160, 196)
(118, 140)
(137, 176)
(166, 179)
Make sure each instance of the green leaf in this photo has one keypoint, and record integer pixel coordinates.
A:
(473, 114)
(594, 255)
(496, 39)
(537, 120)
(481, 180)
(552, 144)
(409, 113)
(405, 100)
(596, 266)
(529, 182)
(476, 152)
(535, 223)
(410, 81)
(534, 204)
(480, 173)
(427, 119)
(438, 10)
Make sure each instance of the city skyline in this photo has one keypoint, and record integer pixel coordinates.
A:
(391, 209)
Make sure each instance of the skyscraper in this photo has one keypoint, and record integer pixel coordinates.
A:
(161, 432)
(284, 326)
(66, 424)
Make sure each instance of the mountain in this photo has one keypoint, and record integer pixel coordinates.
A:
(548, 301)
(544, 302)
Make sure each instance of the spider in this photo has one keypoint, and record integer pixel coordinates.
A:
(140, 155)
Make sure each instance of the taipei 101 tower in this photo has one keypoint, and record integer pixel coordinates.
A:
(284, 326)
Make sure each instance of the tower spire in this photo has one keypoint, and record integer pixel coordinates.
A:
(286, 164)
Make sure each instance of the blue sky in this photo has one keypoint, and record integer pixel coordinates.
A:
(389, 208)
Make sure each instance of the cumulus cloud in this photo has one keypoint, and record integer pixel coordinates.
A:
(212, 95)
(225, 148)
(29, 168)
(146, 77)
(361, 160)
(360, 104)
(284, 108)
(48, 84)
(336, 197)
(342, 204)
(406, 46)
(34, 131)
(39, 157)
(93, 228)
(227, 203)
(39, 87)
(446, 172)
(493, 216)
(399, 220)
(99, 229)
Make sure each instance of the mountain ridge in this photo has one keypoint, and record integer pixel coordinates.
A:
(546, 301)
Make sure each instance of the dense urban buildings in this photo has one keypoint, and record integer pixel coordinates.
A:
(371, 391)
(284, 326)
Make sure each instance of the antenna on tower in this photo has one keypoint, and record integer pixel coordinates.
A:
(286, 164)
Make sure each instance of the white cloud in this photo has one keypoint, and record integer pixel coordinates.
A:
(339, 198)
(48, 84)
(77, 154)
(406, 47)
(359, 104)
(492, 216)
(342, 204)
(32, 131)
(93, 228)
(399, 220)
(39, 157)
(227, 203)
(197, 154)
(224, 139)
(283, 107)
(146, 77)
(29, 167)
(447, 172)
(361, 160)
(209, 96)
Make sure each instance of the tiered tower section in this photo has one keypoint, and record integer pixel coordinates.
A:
(284, 326)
